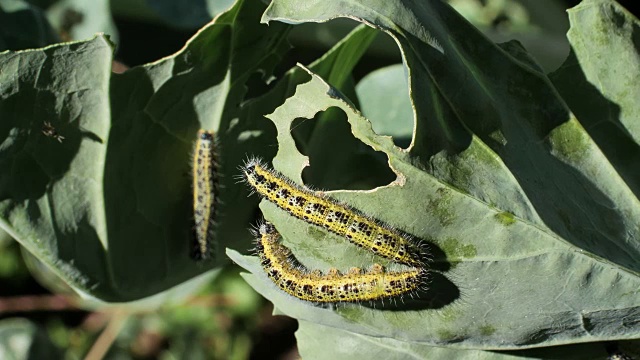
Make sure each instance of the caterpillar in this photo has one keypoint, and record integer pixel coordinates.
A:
(321, 210)
(334, 287)
(205, 188)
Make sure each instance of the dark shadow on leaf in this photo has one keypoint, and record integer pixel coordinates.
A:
(436, 292)
(600, 117)
(40, 129)
(519, 116)
(26, 28)
(338, 160)
(595, 350)
(125, 231)
(439, 292)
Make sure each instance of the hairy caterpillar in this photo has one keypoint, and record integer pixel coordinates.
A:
(318, 209)
(355, 286)
(205, 188)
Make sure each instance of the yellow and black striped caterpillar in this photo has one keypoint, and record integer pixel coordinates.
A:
(339, 218)
(205, 193)
(334, 287)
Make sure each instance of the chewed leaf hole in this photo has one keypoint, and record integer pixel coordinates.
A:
(337, 159)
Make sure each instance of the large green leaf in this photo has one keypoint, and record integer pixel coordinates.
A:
(108, 207)
(535, 234)
(313, 339)
(599, 81)
(336, 65)
(389, 115)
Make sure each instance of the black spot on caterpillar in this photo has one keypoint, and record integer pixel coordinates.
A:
(205, 193)
(321, 210)
(334, 287)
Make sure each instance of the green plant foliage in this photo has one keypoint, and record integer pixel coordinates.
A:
(534, 230)
(313, 340)
(23, 26)
(389, 115)
(188, 14)
(21, 339)
(37, 23)
(491, 11)
(599, 82)
(524, 185)
(4, 238)
(108, 206)
(81, 19)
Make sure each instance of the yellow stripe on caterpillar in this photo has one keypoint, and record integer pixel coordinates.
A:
(321, 210)
(205, 188)
(311, 285)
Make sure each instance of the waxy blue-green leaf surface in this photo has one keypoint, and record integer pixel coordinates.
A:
(108, 207)
(313, 339)
(534, 232)
(389, 115)
(599, 81)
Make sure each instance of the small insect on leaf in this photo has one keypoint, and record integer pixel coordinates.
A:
(49, 131)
